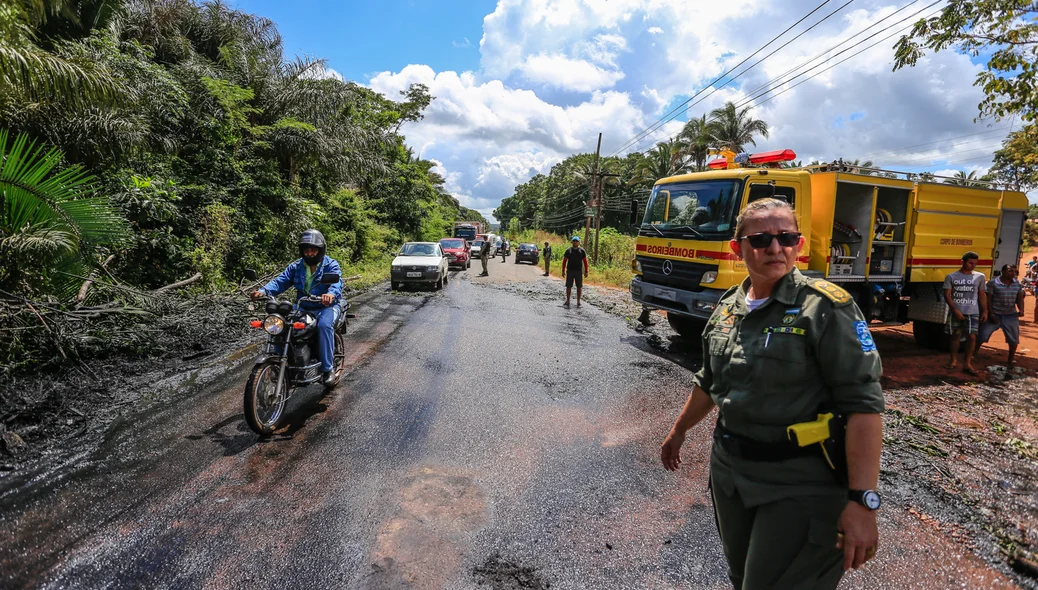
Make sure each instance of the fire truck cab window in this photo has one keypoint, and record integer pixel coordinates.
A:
(703, 207)
(763, 191)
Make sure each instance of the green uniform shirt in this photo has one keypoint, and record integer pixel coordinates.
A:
(309, 279)
(807, 348)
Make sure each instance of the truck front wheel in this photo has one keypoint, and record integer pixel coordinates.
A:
(688, 328)
(929, 335)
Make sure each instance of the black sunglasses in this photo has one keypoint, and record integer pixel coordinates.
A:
(786, 239)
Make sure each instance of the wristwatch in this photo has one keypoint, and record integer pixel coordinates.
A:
(867, 498)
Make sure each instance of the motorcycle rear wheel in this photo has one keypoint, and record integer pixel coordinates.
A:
(263, 406)
(339, 364)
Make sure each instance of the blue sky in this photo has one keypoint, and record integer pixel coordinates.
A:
(360, 39)
(552, 74)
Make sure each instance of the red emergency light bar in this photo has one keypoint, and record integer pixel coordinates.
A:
(717, 164)
(774, 156)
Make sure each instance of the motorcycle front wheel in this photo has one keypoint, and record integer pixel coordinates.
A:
(264, 405)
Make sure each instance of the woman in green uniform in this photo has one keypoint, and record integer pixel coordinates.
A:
(779, 350)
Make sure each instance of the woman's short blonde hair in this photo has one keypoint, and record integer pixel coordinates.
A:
(760, 208)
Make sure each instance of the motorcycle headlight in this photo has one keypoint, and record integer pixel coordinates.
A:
(708, 277)
(274, 324)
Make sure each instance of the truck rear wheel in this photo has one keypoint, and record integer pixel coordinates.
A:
(688, 328)
(929, 335)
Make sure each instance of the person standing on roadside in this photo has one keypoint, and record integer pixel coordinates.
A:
(967, 309)
(572, 260)
(779, 350)
(547, 258)
(1005, 299)
(484, 256)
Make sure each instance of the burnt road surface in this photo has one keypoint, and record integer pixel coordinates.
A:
(485, 437)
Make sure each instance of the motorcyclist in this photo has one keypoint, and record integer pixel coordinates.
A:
(305, 275)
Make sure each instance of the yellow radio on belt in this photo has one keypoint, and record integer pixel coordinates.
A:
(812, 433)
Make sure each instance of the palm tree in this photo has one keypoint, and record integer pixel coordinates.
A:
(30, 70)
(862, 167)
(47, 215)
(666, 159)
(963, 179)
(696, 140)
(732, 129)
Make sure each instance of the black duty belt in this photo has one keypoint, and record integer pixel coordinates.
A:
(755, 450)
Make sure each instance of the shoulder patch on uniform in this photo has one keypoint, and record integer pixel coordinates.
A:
(864, 336)
(835, 293)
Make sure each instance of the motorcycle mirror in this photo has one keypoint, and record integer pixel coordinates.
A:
(250, 275)
(634, 212)
(329, 278)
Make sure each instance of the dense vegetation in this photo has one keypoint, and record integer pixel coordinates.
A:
(147, 141)
(201, 147)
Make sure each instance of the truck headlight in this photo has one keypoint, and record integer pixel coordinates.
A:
(636, 265)
(274, 324)
(705, 305)
(708, 277)
(395, 267)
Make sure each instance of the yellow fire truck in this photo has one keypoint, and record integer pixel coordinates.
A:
(890, 242)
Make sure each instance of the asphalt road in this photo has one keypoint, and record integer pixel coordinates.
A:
(485, 437)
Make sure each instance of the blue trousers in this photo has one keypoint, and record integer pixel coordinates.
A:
(326, 317)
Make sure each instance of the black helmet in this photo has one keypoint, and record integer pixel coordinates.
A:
(312, 238)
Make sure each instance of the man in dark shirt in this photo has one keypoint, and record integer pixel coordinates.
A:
(547, 258)
(572, 260)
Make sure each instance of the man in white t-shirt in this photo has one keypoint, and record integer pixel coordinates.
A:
(967, 309)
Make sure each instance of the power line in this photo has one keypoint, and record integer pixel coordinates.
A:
(897, 149)
(680, 108)
(845, 50)
(823, 53)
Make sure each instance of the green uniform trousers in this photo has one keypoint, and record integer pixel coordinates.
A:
(786, 544)
(484, 261)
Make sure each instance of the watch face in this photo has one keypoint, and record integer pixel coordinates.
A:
(872, 500)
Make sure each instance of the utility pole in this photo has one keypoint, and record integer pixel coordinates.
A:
(592, 202)
(598, 214)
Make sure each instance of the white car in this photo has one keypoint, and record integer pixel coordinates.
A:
(419, 262)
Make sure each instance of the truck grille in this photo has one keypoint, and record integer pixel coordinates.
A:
(684, 275)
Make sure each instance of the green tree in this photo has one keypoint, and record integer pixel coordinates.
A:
(668, 158)
(48, 214)
(961, 178)
(729, 128)
(695, 136)
(1016, 164)
(1004, 30)
(27, 69)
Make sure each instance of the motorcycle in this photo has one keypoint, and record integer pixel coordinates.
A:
(290, 359)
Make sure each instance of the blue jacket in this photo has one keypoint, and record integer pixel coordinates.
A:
(295, 276)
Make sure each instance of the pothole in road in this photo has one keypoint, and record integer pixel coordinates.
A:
(437, 509)
(501, 574)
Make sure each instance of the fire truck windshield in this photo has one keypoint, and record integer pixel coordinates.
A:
(706, 207)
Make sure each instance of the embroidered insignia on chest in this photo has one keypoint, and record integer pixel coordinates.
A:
(724, 316)
(833, 292)
(788, 319)
(785, 330)
(864, 336)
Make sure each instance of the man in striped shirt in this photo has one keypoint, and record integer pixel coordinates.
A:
(1005, 308)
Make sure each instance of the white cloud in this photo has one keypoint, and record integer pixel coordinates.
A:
(568, 74)
(463, 44)
(554, 73)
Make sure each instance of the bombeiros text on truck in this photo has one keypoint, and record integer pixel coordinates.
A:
(887, 239)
